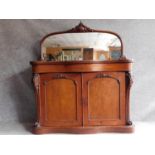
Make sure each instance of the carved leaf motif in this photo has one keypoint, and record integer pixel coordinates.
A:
(81, 28)
(59, 76)
(102, 76)
(107, 76)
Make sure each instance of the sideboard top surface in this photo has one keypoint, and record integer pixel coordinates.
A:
(80, 66)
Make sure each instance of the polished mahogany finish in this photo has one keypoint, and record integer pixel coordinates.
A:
(82, 96)
(93, 100)
(81, 66)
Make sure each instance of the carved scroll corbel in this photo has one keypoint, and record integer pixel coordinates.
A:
(36, 82)
(129, 82)
(129, 79)
(37, 124)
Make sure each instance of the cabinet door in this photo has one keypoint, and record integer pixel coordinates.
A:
(104, 98)
(61, 99)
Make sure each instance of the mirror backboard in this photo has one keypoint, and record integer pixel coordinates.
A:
(81, 43)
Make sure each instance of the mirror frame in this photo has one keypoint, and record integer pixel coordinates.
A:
(81, 28)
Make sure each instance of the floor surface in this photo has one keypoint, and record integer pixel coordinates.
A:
(13, 140)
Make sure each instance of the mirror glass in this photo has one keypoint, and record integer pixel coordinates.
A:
(81, 46)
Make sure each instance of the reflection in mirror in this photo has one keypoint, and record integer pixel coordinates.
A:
(81, 46)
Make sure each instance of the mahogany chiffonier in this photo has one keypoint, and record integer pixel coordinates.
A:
(82, 83)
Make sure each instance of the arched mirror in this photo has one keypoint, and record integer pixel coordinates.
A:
(81, 44)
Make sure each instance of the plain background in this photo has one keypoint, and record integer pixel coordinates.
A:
(19, 44)
(140, 142)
